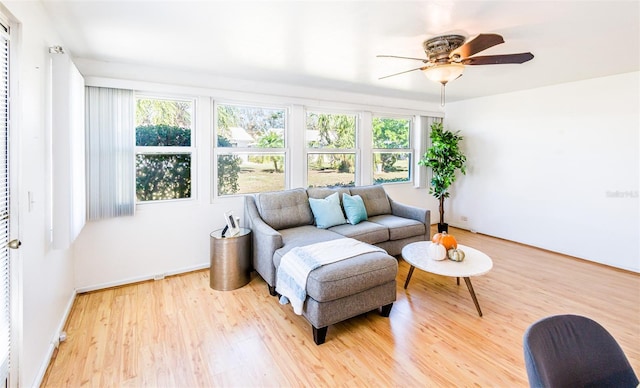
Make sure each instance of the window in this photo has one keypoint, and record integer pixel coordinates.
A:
(392, 150)
(331, 149)
(250, 153)
(164, 149)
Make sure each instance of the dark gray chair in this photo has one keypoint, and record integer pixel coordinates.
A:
(574, 351)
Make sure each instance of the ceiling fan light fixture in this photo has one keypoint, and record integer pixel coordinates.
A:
(444, 73)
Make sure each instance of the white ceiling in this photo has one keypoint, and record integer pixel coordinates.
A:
(334, 44)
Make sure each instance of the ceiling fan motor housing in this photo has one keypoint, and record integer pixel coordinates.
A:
(439, 48)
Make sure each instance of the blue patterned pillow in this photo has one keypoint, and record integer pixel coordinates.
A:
(327, 211)
(354, 208)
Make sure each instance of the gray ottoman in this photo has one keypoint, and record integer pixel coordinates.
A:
(348, 288)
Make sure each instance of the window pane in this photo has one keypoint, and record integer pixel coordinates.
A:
(163, 122)
(331, 131)
(391, 167)
(163, 176)
(250, 173)
(331, 170)
(244, 126)
(163, 135)
(391, 133)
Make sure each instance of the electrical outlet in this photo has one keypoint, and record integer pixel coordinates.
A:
(158, 276)
(464, 218)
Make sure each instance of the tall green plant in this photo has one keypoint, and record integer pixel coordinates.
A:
(445, 158)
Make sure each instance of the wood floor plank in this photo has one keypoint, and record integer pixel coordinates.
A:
(179, 332)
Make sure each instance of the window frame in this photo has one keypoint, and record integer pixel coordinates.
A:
(169, 150)
(238, 151)
(410, 150)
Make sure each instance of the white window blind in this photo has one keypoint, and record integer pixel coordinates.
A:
(69, 203)
(5, 300)
(110, 153)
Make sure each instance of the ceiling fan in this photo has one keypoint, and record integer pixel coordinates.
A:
(448, 54)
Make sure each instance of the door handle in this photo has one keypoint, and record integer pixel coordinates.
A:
(14, 244)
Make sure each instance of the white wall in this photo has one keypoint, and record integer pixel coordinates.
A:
(47, 279)
(554, 167)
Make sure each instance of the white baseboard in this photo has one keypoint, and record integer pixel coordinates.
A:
(141, 278)
(54, 341)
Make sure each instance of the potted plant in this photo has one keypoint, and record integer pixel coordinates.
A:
(445, 158)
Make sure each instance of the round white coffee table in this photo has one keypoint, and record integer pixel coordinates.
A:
(475, 263)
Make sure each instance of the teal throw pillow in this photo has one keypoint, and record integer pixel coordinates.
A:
(354, 208)
(327, 211)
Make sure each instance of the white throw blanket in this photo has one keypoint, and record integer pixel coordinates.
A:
(295, 266)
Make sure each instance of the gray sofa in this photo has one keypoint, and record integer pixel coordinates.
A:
(283, 220)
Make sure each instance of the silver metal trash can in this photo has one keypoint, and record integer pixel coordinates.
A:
(230, 260)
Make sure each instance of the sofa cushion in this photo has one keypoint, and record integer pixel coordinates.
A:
(365, 231)
(375, 199)
(301, 236)
(354, 208)
(348, 277)
(399, 227)
(284, 209)
(327, 211)
(324, 192)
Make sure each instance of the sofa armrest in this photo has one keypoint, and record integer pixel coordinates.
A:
(412, 212)
(266, 241)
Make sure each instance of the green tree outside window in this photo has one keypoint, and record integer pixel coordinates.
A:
(163, 174)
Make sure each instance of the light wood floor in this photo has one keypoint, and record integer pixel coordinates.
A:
(179, 332)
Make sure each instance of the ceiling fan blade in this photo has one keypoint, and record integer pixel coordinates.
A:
(395, 56)
(402, 72)
(498, 59)
(477, 44)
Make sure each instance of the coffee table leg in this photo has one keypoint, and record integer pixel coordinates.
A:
(406, 283)
(473, 295)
